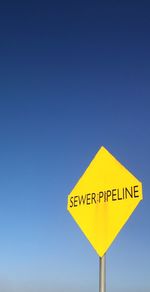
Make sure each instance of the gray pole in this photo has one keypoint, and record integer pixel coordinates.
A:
(102, 274)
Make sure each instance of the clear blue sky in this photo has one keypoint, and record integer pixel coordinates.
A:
(74, 75)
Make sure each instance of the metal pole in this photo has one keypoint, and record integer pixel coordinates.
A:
(102, 274)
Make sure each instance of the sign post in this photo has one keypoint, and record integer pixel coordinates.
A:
(102, 274)
(102, 201)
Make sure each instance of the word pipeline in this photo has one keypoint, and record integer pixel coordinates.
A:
(105, 196)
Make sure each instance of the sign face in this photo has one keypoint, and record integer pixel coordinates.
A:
(103, 199)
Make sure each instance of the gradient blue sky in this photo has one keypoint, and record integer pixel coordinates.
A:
(74, 75)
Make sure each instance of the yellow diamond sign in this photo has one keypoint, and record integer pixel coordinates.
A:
(103, 199)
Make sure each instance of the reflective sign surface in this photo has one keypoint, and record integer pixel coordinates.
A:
(103, 199)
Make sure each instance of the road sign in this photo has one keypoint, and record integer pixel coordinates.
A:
(103, 199)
